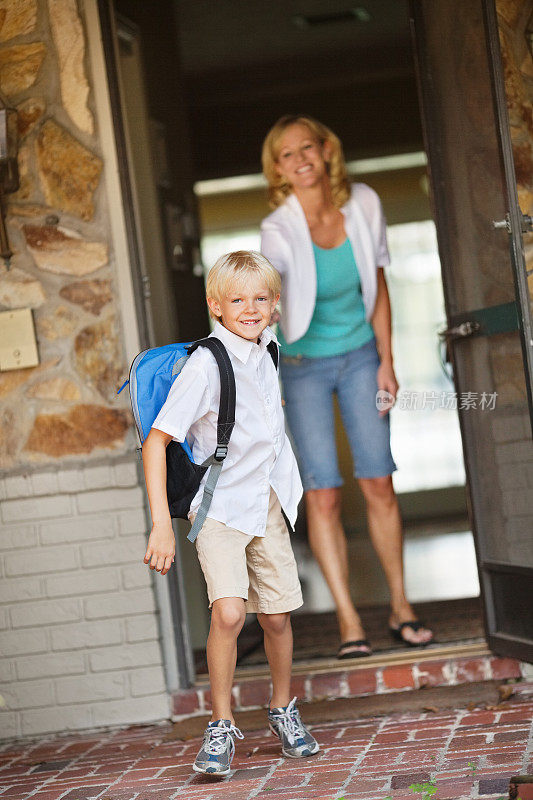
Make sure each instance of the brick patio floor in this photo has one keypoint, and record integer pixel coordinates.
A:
(371, 758)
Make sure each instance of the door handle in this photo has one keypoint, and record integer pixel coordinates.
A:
(502, 223)
(526, 223)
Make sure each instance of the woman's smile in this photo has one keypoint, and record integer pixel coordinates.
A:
(301, 156)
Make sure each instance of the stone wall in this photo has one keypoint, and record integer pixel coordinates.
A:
(62, 267)
(79, 624)
(515, 19)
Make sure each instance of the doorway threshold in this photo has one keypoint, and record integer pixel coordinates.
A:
(375, 661)
(382, 673)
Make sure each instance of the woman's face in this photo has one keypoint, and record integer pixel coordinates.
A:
(302, 159)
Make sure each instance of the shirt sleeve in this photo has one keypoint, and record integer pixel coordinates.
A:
(189, 399)
(275, 247)
(372, 209)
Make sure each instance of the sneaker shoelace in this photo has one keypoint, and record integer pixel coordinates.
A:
(216, 742)
(291, 722)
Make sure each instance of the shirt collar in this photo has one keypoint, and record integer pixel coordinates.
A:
(294, 204)
(241, 348)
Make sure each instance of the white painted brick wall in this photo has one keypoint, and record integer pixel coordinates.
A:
(86, 635)
(82, 583)
(145, 681)
(142, 628)
(79, 631)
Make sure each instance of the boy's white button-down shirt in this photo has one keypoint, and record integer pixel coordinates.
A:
(259, 453)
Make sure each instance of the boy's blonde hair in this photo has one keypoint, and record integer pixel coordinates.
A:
(278, 188)
(232, 270)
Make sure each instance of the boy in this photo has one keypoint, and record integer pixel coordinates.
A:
(244, 545)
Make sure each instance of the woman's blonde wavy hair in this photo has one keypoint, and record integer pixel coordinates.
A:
(278, 188)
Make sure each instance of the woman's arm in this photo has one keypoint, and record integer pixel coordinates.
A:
(381, 322)
(162, 543)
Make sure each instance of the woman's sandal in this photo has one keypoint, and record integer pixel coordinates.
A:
(354, 653)
(415, 626)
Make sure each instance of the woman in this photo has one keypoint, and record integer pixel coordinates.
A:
(328, 241)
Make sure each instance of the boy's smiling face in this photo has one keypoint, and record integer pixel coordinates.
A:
(246, 309)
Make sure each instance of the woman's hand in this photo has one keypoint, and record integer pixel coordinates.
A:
(387, 383)
(276, 316)
(161, 547)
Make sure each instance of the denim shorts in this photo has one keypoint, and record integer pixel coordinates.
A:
(308, 388)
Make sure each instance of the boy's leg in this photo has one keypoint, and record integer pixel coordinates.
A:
(278, 648)
(227, 619)
(274, 592)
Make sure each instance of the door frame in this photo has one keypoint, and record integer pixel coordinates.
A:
(109, 35)
(505, 318)
(174, 631)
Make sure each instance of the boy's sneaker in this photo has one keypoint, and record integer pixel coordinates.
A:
(296, 740)
(218, 747)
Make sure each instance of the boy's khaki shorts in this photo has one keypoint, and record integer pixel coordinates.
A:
(260, 569)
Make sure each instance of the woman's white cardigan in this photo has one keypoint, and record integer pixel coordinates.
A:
(286, 242)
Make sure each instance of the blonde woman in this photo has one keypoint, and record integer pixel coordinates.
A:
(328, 241)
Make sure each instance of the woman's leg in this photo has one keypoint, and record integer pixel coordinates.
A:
(227, 619)
(328, 544)
(385, 528)
(369, 436)
(309, 386)
(278, 648)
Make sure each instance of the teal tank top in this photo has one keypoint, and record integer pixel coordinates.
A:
(338, 324)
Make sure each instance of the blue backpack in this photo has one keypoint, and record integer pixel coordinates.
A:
(152, 374)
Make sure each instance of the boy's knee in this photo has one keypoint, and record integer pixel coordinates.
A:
(274, 623)
(228, 616)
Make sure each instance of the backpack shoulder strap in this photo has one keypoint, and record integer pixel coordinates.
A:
(226, 409)
(225, 425)
(273, 349)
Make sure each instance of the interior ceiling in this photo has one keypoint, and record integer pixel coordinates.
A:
(238, 33)
(247, 62)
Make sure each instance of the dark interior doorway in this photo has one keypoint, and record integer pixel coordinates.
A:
(352, 68)
(316, 635)
(217, 76)
(246, 64)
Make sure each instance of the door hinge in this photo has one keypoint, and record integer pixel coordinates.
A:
(467, 328)
(147, 289)
(502, 318)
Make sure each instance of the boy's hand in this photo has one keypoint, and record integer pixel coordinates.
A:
(161, 548)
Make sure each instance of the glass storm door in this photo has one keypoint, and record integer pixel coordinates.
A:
(489, 335)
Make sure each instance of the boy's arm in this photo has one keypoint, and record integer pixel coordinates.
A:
(162, 543)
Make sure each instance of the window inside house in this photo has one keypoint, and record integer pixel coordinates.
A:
(425, 434)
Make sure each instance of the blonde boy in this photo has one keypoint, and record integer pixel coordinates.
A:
(244, 545)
